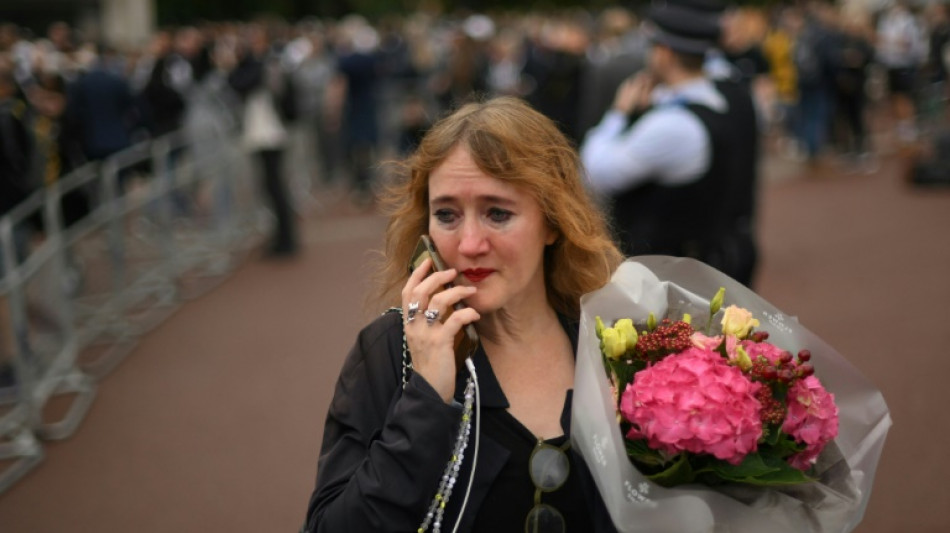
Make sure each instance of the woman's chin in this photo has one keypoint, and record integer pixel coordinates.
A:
(481, 306)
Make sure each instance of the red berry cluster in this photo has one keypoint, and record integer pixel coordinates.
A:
(784, 372)
(667, 338)
(773, 411)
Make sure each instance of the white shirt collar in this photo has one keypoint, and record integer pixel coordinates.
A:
(698, 91)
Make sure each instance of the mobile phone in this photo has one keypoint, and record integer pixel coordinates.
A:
(426, 248)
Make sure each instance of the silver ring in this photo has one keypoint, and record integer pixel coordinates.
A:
(431, 316)
(411, 311)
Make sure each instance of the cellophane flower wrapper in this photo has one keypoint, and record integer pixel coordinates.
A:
(669, 287)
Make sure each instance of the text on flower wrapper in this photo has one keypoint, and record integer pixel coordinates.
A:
(600, 444)
(638, 493)
(777, 320)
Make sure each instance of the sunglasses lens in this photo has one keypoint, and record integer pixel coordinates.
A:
(549, 468)
(544, 519)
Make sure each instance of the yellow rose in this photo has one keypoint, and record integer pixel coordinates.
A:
(629, 333)
(738, 321)
(613, 343)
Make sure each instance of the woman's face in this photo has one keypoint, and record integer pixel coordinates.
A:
(493, 232)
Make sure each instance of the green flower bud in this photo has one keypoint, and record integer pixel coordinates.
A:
(687, 318)
(599, 327)
(716, 303)
(625, 327)
(742, 358)
(651, 322)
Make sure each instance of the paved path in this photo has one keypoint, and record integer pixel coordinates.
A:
(213, 423)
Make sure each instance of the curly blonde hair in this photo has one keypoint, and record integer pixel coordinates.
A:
(510, 141)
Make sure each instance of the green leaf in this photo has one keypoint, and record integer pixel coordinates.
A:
(752, 466)
(643, 454)
(757, 469)
(780, 391)
(779, 444)
(722, 349)
(624, 372)
(678, 473)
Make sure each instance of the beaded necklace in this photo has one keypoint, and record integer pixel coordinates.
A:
(450, 475)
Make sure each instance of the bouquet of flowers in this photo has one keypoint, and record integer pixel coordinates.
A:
(721, 414)
(732, 407)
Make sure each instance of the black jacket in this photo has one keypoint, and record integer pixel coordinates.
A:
(101, 108)
(385, 447)
(16, 154)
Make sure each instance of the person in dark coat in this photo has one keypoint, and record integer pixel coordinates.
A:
(17, 146)
(852, 55)
(101, 108)
(938, 54)
(498, 188)
(359, 69)
(163, 97)
(621, 53)
(556, 64)
(257, 79)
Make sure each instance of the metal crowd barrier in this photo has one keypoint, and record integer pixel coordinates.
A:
(166, 221)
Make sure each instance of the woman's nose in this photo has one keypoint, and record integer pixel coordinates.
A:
(474, 240)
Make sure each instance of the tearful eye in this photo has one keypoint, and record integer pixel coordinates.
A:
(444, 216)
(496, 214)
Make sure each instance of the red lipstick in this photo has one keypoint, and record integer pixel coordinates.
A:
(477, 274)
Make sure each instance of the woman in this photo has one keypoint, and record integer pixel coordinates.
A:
(498, 188)
(257, 79)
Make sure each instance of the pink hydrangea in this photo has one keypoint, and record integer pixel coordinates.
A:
(771, 352)
(694, 401)
(812, 419)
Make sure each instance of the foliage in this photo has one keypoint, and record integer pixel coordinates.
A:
(186, 11)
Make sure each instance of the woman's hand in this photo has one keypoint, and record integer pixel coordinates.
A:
(432, 342)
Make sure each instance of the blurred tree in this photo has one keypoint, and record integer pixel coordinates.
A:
(185, 11)
(181, 11)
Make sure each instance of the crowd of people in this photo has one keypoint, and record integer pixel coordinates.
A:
(821, 61)
(364, 92)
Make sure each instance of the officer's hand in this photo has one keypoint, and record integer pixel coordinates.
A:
(634, 93)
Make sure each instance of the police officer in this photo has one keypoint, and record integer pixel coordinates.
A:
(677, 153)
